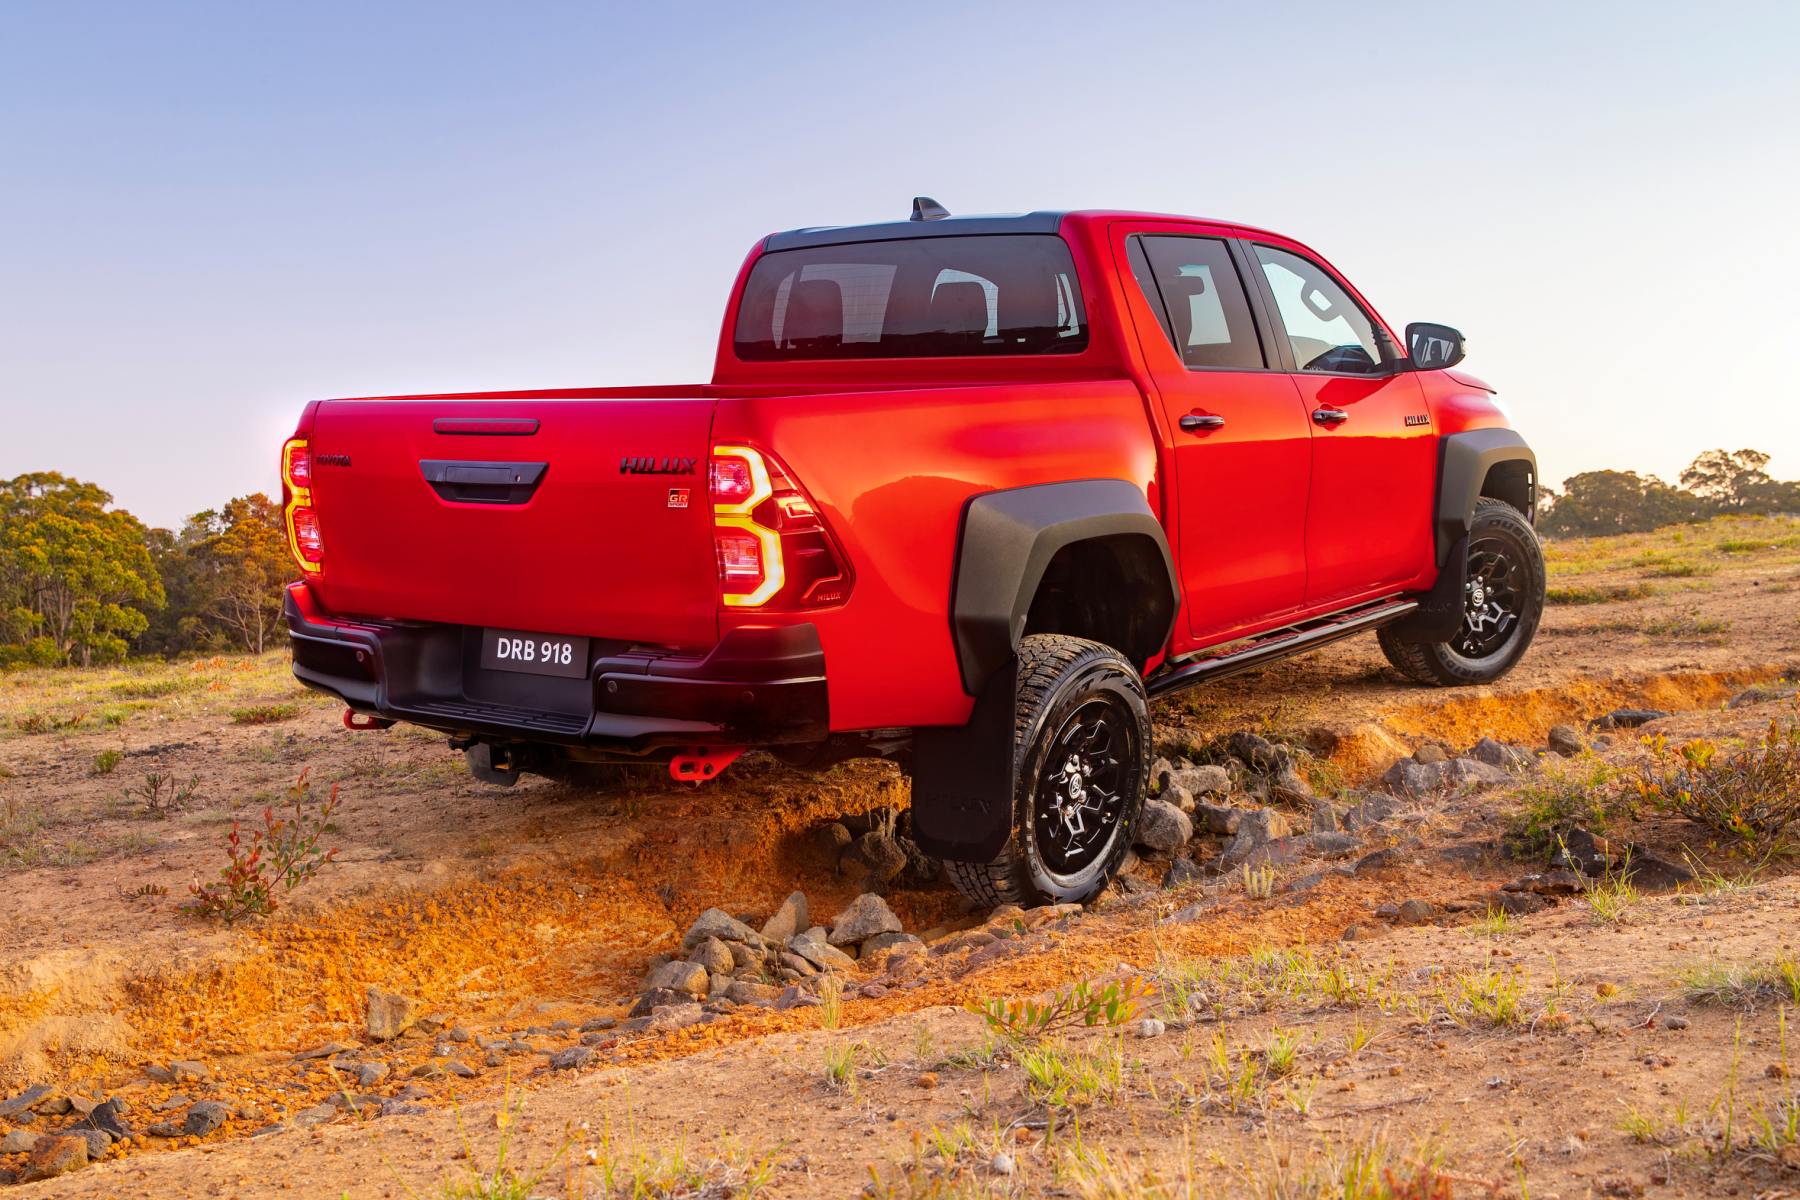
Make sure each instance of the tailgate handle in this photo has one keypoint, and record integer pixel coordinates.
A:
(482, 482)
(486, 426)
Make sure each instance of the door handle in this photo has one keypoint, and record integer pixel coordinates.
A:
(1194, 423)
(1329, 416)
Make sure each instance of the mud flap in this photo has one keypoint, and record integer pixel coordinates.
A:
(962, 778)
(1440, 613)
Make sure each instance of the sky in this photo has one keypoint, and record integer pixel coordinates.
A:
(211, 213)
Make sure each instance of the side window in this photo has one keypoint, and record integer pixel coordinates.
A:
(1327, 330)
(1192, 283)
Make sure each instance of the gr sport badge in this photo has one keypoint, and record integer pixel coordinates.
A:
(645, 464)
(1419, 419)
(678, 497)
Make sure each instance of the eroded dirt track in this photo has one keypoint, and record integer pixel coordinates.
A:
(509, 911)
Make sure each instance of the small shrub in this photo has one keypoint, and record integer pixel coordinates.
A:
(264, 714)
(1585, 793)
(1083, 1005)
(840, 1066)
(1259, 883)
(1741, 986)
(32, 723)
(1751, 795)
(284, 854)
(162, 795)
(106, 761)
(1686, 625)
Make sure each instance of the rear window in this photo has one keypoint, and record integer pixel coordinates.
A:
(933, 297)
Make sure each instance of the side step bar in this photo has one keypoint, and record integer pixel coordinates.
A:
(1281, 643)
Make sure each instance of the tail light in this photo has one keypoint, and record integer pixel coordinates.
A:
(305, 542)
(772, 545)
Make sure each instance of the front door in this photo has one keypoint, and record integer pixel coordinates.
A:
(1374, 455)
(1240, 435)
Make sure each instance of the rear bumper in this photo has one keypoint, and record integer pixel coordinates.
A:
(757, 686)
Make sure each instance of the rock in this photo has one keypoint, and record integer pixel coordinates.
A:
(571, 1059)
(716, 923)
(110, 1119)
(1183, 870)
(1429, 753)
(18, 1141)
(1257, 827)
(822, 955)
(53, 1156)
(81, 1106)
(882, 853)
(1416, 912)
(1761, 693)
(1675, 1022)
(189, 1071)
(1585, 852)
(1288, 786)
(1558, 882)
(458, 1068)
(833, 838)
(98, 1141)
(328, 1050)
(794, 996)
(1207, 780)
(715, 956)
(25, 1100)
(687, 977)
(1371, 809)
(1499, 754)
(744, 992)
(1333, 845)
(1472, 774)
(204, 1117)
(1002, 1163)
(1162, 827)
(1409, 777)
(370, 1073)
(789, 919)
(1216, 819)
(1257, 752)
(1629, 718)
(904, 943)
(1150, 1027)
(1280, 852)
(1654, 874)
(1324, 816)
(866, 916)
(1177, 795)
(1517, 904)
(1362, 933)
(657, 998)
(390, 1014)
(1566, 740)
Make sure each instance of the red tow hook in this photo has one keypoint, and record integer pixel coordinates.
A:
(359, 721)
(698, 765)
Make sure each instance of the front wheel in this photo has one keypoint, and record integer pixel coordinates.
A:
(1081, 764)
(1503, 601)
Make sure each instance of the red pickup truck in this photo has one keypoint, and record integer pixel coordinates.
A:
(964, 492)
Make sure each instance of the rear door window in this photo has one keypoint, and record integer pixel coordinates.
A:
(1194, 285)
(932, 297)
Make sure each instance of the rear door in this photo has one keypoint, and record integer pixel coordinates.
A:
(586, 517)
(1374, 452)
(1239, 433)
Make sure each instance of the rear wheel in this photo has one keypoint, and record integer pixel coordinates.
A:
(1503, 601)
(1081, 764)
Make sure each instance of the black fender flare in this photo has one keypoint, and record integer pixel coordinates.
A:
(1007, 540)
(962, 776)
(1464, 460)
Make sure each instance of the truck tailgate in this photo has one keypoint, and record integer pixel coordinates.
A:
(585, 517)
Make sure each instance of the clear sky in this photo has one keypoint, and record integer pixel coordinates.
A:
(213, 212)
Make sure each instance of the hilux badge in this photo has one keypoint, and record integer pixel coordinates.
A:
(1419, 419)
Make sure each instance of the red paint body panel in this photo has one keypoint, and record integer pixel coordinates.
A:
(1270, 517)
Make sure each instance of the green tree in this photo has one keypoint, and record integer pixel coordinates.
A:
(223, 573)
(1596, 503)
(75, 574)
(1739, 482)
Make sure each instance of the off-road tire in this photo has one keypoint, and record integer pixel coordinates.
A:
(1500, 527)
(1059, 677)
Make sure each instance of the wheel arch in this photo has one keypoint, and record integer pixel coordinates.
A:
(1495, 463)
(1086, 558)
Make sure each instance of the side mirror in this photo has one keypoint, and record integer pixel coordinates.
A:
(1434, 347)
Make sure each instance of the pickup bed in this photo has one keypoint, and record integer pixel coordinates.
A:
(963, 492)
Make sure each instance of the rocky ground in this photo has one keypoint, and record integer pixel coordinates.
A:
(1361, 939)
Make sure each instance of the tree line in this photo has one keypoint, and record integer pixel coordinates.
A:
(83, 582)
(1717, 483)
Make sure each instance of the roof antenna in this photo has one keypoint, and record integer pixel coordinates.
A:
(927, 209)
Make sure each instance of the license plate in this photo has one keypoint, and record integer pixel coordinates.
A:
(534, 653)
